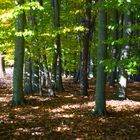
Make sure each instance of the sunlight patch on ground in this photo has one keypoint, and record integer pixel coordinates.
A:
(34, 131)
(3, 117)
(60, 115)
(63, 108)
(4, 99)
(28, 117)
(137, 115)
(17, 109)
(35, 107)
(123, 105)
(56, 110)
(62, 128)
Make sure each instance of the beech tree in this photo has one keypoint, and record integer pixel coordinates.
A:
(54, 46)
(57, 60)
(18, 96)
(86, 47)
(100, 101)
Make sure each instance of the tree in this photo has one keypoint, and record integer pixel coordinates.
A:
(27, 73)
(86, 46)
(100, 102)
(57, 62)
(115, 49)
(18, 96)
(122, 76)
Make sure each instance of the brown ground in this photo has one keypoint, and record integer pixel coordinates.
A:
(67, 116)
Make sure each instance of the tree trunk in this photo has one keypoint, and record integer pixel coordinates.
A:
(100, 101)
(28, 75)
(77, 76)
(57, 63)
(35, 77)
(115, 49)
(86, 46)
(35, 58)
(18, 96)
(50, 86)
(59, 84)
(122, 78)
(2, 67)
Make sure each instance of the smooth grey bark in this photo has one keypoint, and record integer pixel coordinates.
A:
(41, 69)
(35, 57)
(50, 87)
(59, 83)
(35, 77)
(100, 101)
(77, 76)
(57, 62)
(44, 75)
(28, 75)
(122, 77)
(18, 96)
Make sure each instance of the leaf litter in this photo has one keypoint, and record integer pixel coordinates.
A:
(68, 116)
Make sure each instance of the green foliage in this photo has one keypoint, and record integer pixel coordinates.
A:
(41, 39)
(130, 64)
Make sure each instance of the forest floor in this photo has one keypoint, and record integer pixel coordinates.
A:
(68, 116)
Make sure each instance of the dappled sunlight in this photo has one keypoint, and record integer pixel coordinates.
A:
(62, 128)
(26, 117)
(34, 131)
(123, 105)
(69, 116)
(56, 110)
(62, 115)
(4, 99)
(4, 117)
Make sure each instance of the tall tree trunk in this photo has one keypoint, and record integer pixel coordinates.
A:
(36, 51)
(122, 79)
(50, 87)
(100, 101)
(28, 75)
(86, 45)
(18, 96)
(115, 49)
(57, 63)
(77, 76)
(35, 77)
(59, 84)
